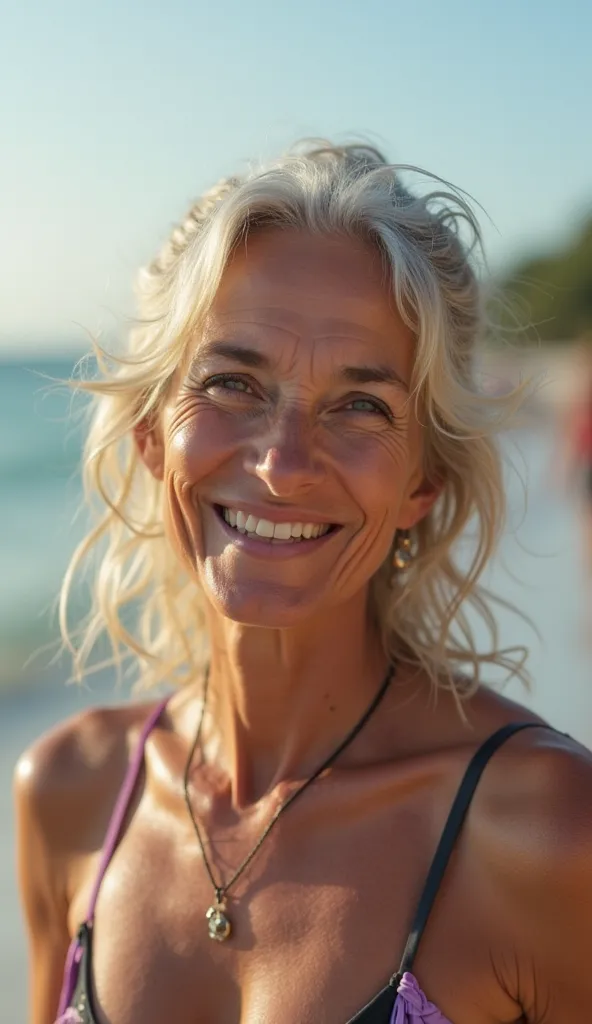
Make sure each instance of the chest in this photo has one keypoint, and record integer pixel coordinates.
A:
(320, 919)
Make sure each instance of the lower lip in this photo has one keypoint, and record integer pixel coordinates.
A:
(263, 549)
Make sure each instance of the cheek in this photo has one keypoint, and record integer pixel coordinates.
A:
(198, 438)
(182, 529)
(377, 469)
(195, 445)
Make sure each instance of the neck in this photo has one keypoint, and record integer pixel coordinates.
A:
(280, 700)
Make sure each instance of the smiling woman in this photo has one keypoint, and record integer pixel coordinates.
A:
(284, 461)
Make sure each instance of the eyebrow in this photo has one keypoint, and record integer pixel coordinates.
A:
(378, 374)
(246, 356)
(373, 375)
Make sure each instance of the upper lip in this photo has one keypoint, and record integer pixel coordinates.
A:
(277, 513)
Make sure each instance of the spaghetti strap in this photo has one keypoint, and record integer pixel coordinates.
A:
(113, 833)
(122, 804)
(450, 834)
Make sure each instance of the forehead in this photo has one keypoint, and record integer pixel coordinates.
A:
(309, 288)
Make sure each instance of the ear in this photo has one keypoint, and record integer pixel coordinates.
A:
(148, 439)
(417, 505)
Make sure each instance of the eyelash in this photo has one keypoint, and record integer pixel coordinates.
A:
(220, 379)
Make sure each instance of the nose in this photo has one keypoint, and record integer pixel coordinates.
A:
(287, 458)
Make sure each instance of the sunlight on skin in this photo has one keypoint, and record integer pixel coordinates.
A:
(294, 405)
(267, 418)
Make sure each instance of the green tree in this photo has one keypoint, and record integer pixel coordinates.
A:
(551, 295)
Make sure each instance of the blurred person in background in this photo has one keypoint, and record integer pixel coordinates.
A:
(574, 458)
(332, 817)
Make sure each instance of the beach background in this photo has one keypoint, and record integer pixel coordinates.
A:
(117, 116)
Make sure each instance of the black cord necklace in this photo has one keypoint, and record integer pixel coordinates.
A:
(219, 923)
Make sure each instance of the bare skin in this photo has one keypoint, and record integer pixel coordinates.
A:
(322, 914)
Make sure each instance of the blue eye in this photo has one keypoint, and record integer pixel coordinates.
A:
(229, 382)
(369, 406)
(235, 385)
(364, 405)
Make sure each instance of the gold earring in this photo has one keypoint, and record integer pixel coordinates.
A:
(403, 555)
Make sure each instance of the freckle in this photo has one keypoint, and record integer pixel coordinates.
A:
(331, 707)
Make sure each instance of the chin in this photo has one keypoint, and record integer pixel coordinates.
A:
(256, 604)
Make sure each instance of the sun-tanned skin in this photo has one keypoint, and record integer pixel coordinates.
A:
(322, 913)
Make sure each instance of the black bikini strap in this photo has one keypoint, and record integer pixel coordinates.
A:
(449, 836)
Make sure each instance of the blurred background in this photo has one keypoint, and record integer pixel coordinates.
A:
(116, 116)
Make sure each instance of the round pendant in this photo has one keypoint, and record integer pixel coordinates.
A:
(219, 925)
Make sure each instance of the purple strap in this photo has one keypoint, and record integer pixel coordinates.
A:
(111, 839)
(123, 802)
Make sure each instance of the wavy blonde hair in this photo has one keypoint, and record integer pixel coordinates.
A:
(149, 607)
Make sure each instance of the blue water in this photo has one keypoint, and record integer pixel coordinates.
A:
(39, 496)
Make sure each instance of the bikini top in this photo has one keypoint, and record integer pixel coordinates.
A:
(401, 1001)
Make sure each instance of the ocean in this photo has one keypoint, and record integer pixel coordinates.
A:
(539, 567)
(39, 497)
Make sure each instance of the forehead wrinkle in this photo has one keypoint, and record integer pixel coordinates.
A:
(303, 332)
(236, 332)
(335, 333)
(357, 373)
(281, 318)
(240, 318)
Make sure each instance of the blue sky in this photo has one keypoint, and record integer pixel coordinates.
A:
(116, 114)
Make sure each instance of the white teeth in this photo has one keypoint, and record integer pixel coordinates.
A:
(263, 529)
(277, 533)
(230, 516)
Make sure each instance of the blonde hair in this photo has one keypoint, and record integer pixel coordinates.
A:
(146, 603)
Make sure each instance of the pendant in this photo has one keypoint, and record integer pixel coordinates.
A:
(219, 925)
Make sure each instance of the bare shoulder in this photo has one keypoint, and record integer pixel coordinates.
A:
(535, 844)
(68, 775)
(543, 786)
(539, 782)
(546, 786)
(65, 787)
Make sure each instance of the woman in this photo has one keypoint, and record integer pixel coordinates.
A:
(574, 455)
(285, 459)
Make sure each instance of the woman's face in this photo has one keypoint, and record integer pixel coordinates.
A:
(289, 450)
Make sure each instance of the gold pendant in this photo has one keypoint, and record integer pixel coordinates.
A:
(219, 925)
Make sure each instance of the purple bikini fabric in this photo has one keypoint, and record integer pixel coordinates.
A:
(411, 1006)
(113, 832)
(69, 1017)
